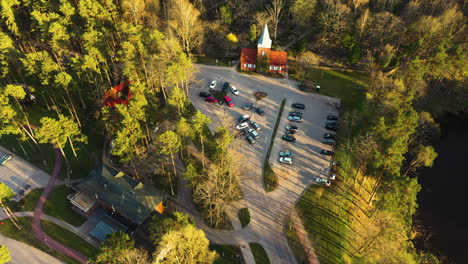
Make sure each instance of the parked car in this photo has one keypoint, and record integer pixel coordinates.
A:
(242, 126)
(204, 94)
(294, 113)
(225, 86)
(253, 132)
(211, 99)
(330, 136)
(27, 186)
(21, 192)
(326, 152)
(332, 117)
(234, 90)
(228, 101)
(259, 111)
(286, 154)
(290, 132)
(297, 119)
(250, 139)
(255, 125)
(329, 141)
(332, 176)
(4, 159)
(322, 181)
(291, 127)
(248, 106)
(298, 106)
(213, 84)
(244, 118)
(243, 132)
(285, 160)
(289, 138)
(331, 126)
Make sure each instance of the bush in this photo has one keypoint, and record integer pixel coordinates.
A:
(260, 95)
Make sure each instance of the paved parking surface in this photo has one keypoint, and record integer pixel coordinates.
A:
(17, 173)
(269, 211)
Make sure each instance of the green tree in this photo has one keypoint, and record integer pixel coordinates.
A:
(114, 247)
(253, 32)
(185, 246)
(5, 194)
(302, 11)
(184, 130)
(4, 254)
(199, 124)
(159, 226)
(226, 14)
(423, 156)
(178, 99)
(170, 143)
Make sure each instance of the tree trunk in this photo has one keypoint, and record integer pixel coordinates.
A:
(175, 173)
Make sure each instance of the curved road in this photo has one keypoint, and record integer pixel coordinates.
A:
(36, 225)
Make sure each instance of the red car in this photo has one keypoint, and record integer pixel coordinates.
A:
(211, 99)
(228, 101)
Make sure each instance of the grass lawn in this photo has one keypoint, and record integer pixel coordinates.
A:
(26, 236)
(270, 180)
(259, 253)
(296, 245)
(350, 87)
(57, 205)
(244, 216)
(42, 155)
(227, 254)
(212, 61)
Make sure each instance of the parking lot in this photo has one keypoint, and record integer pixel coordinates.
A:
(269, 211)
(18, 174)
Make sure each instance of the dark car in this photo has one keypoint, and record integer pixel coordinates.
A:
(331, 126)
(250, 139)
(327, 152)
(244, 118)
(255, 125)
(248, 106)
(225, 86)
(259, 111)
(295, 114)
(289, 138)
(290, 132)
(27, 186)
(330, 136)
(298, 106)
(291, 127)
(204, 94)
(21, 192)
(332, 117)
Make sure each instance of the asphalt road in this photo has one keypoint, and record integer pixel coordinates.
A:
(268, 211)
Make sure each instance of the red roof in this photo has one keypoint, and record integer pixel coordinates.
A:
(118, 95)
(278, 58)
(248, 56)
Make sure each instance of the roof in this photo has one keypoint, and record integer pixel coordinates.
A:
(84, 201)
(278, 58)
(248, 56)
(264, 41)
(119, 94)
(129, 197)
(105, 227)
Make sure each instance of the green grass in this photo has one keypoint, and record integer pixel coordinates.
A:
(295, 244)
(212, 61)
(244, 216)
(270, 180)
(57, 205)
(227, 254)
(350, 87)
(259, 253)
(26, 236)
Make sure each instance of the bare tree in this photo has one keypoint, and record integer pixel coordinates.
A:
(275, 10)
(185, 24)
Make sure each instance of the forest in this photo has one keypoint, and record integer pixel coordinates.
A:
(59, 58)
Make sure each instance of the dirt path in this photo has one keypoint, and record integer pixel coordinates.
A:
(36, 226)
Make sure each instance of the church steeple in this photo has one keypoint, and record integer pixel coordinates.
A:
(264, 41)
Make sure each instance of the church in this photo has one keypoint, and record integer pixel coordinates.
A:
(277, 60)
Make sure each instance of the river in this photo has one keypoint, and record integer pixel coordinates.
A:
(443, 200)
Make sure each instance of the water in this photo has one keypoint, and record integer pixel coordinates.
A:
(443, 199)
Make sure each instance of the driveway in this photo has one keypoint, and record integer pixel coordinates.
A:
(268, 211)
(17, 173)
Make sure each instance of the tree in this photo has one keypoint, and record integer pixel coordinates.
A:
(275, 10)
(114, 247)
(170, 143)
(178, 100)
(199, 123)
(423, 156)
(5, 194)
(133, 256)
(184, 22)
(302, 11)
(4, 254)
(334, 22)
(185, 246)
(59, 132)
(253, 32)
(226, 14)
(159, 226)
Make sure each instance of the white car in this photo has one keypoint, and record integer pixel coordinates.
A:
(322, 181)
(332, 176)
(285, 160)
(242, 125)
(234, 90)
(213, 84)
(253, 133)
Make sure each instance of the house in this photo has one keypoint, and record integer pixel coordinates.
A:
(119, 94)
(276, 60)
(118, 194)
